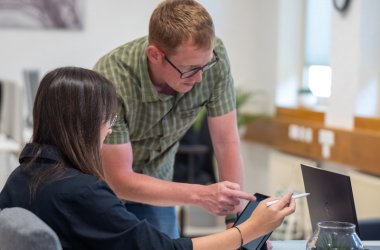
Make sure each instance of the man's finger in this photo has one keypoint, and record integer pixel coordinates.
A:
(242, 195)
(232, 185)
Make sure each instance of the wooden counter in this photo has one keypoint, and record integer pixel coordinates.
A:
(359, 148)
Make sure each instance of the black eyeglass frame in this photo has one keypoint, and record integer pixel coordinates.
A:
(194, 71)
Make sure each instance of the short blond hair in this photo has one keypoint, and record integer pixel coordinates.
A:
(176, 21)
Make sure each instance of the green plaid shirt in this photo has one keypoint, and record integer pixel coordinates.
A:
(154, 122)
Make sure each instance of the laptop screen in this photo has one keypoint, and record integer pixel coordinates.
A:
(331, 197)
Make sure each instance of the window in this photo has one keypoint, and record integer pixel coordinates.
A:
(317, 70)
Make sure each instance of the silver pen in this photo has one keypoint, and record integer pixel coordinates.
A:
(296, 196)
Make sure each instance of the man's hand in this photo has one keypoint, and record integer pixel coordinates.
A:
(223, 198)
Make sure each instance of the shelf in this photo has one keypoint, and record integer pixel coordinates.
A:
(358, 148)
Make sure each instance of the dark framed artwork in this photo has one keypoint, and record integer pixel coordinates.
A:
(42, 14)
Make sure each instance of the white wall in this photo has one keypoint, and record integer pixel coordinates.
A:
(247, 27)
(249, 30)
(107, 24)
(355, 64)
(290, 46)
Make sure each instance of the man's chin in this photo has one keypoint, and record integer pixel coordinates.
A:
(187, 88)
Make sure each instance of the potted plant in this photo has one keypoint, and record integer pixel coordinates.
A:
(243, 118)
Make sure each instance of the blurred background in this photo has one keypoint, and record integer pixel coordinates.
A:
(311, 71)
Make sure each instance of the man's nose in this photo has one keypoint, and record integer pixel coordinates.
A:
(198, 76)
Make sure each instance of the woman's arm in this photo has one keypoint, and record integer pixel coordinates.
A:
(262, 221)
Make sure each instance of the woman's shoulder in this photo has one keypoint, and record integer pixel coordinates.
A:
(80, 192)
(73, 181)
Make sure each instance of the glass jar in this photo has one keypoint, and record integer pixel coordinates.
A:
(334, 235)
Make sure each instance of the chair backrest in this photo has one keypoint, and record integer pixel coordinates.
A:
(20, 229)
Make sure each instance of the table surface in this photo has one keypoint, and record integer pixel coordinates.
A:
(301, 245)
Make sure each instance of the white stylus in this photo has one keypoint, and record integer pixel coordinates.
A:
(296, 196)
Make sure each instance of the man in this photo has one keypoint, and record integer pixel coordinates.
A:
(163, 81)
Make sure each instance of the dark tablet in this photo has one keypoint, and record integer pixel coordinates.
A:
(259, 243)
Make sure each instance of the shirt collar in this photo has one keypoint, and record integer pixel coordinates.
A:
(148, 92)
(47, 152)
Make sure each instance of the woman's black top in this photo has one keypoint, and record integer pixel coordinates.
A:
(83, 210)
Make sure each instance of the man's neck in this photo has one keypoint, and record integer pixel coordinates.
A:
(164, 88)
(159, 85)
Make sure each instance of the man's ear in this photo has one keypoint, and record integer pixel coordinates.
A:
(154, 54)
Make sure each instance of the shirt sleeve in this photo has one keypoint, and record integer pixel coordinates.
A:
(222, 100)
(100, 221)
(111, 67)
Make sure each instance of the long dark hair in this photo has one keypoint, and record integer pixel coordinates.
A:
(70, 107)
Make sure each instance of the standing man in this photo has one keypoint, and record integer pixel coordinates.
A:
(163, 81)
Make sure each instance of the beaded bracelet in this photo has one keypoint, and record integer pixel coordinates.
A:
(241, 237)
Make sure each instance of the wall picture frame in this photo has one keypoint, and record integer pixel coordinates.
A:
(42, 14)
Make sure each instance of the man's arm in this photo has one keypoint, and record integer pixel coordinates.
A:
(226, 143)
(219, 198)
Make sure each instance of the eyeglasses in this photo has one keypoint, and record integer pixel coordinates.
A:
(112, 121)
(194, 71)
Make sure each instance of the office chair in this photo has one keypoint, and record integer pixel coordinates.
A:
(195, 164)
(20, 229)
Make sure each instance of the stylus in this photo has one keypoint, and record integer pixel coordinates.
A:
(296, 196)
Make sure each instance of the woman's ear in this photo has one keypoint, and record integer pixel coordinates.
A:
(154, 54)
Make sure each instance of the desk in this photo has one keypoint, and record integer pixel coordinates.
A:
(301, 245)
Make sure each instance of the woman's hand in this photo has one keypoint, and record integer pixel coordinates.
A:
(266, 219)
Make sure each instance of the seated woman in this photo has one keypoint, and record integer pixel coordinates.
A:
(60, 176)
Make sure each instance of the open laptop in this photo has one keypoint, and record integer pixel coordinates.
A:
(331, 197)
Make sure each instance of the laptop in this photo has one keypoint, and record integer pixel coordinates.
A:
(331, 197)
